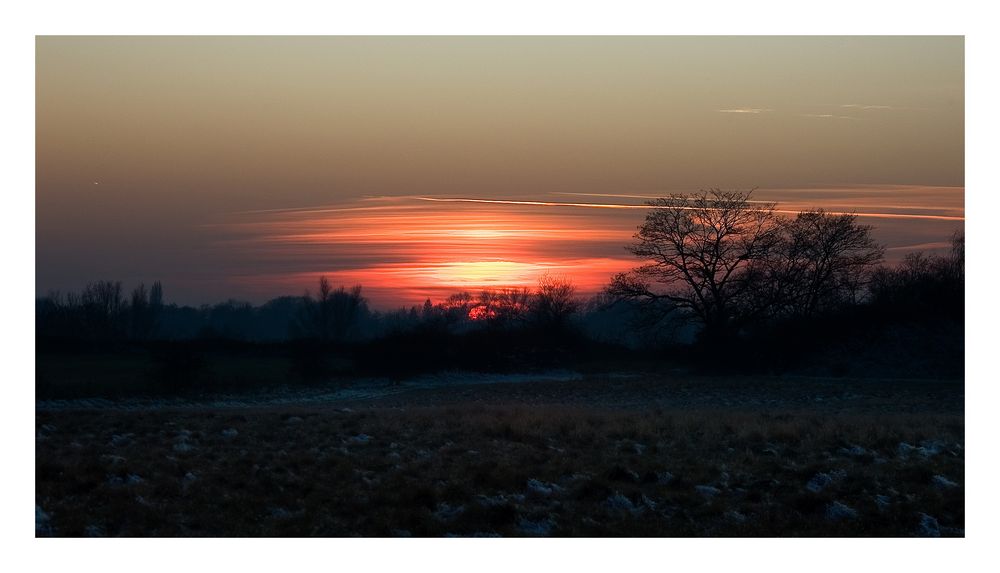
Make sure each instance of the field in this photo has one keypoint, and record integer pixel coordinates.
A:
(554, 455)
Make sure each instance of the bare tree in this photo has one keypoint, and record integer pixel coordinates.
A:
(705, 254)
(823, 260)
(144, 310)
(334, 313)
(502, 308)
(103, 308)
(554, 302)
(139, 315)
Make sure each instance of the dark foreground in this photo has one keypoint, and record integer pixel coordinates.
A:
(599, 456)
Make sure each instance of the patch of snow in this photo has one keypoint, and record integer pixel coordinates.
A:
(664, 478)
(539, 528)
(294, 420)
(854, 451)
(500, 499)
(183, 447)
(736, 516)
(619, 502)
(359, 439)
(942, 482)
(361, 389)
(282, 513)
(43, 522)
(543, 488)
(121, 439)
(133, 479)
(929, 527)
(930, 448)
(94, 531)
(707, 491)
(822, 480)
(474, 534)
(837, 511)
(882, 501)
(230, 433)
(446, 512)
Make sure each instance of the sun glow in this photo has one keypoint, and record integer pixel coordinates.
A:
(487, 273)
(406, 249)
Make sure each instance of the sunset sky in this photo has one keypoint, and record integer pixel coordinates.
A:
(245, 167)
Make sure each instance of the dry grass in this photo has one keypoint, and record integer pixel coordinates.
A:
(509, 470)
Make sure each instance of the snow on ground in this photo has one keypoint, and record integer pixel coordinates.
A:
(539, 528)
(929, 526)
(363, 389)
(707, 490)
(837, 511)
(543, 488)
(42, 522)
(823, 479)
(942, 482)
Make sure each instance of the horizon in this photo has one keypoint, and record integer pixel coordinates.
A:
(246, 167)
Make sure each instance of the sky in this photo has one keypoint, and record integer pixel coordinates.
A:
(246, 167)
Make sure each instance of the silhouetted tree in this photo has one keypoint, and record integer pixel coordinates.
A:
(554, 303)
(923, 286)
(144, 310)
(822, 261)
(502, 308)
(706, 254)
(333, 314)
(103, 309)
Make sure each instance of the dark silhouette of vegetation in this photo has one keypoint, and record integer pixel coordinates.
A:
(728, 285)
(923, 287)
(554, 304)
(728, 262)
(333, 314)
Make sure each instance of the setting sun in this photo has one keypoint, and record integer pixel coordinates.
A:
(486, 273)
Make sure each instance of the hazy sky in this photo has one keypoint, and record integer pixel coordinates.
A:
(179, 158)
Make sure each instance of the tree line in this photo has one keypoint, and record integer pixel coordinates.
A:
(714, 268)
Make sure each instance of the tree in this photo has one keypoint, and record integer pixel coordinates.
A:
(334, 314)
(139, 313)
(706, 254)
(502, 308)
(822, 261)
(103, 309)
(554, 303)
(923, 287)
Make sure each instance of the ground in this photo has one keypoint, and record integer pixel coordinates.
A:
(534, 455)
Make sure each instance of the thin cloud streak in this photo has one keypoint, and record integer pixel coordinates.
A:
(860, 106)
(619, 206)
(749, 110)
(828, 116)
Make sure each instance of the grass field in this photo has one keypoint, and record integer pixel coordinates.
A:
(589, 457)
